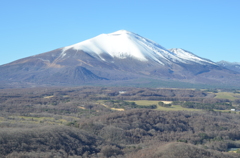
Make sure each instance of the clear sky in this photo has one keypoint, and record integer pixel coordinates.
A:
(207, 28)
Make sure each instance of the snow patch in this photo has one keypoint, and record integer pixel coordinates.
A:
(63, 54)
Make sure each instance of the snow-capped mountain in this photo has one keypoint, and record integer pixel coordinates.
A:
(115, 57)
(124, 44)
(235, 66)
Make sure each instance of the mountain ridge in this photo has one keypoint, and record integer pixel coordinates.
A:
(234, 66)
(118, 56)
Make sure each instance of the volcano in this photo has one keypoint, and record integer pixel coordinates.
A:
(120, 56)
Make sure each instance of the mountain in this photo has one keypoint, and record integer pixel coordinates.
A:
(124, 44)
(234, 66)
(121, 56)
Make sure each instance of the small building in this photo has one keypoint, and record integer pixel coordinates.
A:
(233, 109)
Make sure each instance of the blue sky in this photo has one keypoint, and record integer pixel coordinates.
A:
(207, 28)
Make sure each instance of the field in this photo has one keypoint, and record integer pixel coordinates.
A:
(155, 102)
(227, 95)
(172, 108)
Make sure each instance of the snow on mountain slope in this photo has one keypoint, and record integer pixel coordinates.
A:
(188, 56)
(120, 44)
(226, 63)
(235, 66)
(124, 44)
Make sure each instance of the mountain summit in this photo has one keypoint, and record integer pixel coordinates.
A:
(121, 56)
(124, 44)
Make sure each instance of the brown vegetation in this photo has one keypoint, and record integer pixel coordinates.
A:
(72, 122)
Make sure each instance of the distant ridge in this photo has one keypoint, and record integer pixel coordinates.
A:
(234, 66)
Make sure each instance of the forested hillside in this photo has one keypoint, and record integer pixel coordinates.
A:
(118, 122)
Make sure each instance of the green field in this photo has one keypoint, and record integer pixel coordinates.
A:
(155, 102)
(172, 108)
(227, 95)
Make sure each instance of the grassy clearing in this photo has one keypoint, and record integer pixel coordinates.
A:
(47, 97)
(101, 102)
(144, 102)
(233, 150)
(80, 107)
(155, 102)
(176, 108)
(117, 109)
(227, 95)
